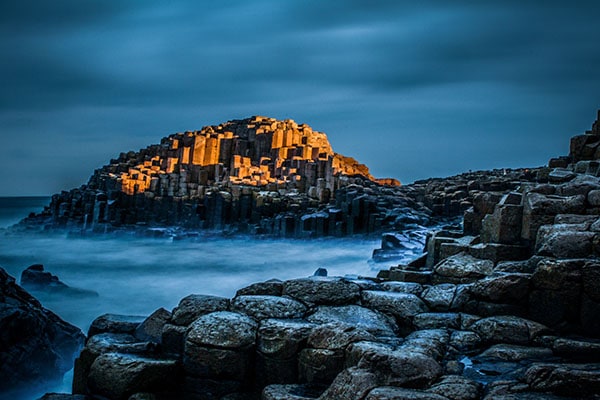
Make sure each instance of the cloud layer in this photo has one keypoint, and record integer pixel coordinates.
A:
(413, 89)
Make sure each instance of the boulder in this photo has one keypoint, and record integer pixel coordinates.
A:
(355, 351)
(400, 305)
(564, 241)
(318, 290)
(508, 329)
(464, 341)
(152, 327)
(115, 323)
(436, 321)
(264, 306)
(578, 380)
(540, 209)
(504, 288)
(396, 393)
(272, 287)
(283, 339)
(361, 317)
(35, 344)
(430, 342)
(196, 305)
(401, 368)
(512, 352)
(457, 388)
(319, 366)
(118, 376)
(173, 339)
(462, 268)
(580, 349)
(403, 287)
(337, 336)
(219, 344)
(351, 384)
(290, 392)
(439, 297)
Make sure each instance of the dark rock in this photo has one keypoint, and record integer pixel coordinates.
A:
(35, 344)
(508, 329)
(565, 379)
(401, 305)
(401, 368)
(395, 393)
(114, 323)
(464, 340)
(462, 268)
(118, 376)
(361, 317)
(151, 329)
(457, 388)
(291, 392)
(272, 287)
(208, 389)
(322, 290)
(403, 287)
(505, 288)
(283, 339)
(580, 349)
(63, 396)
(439, 297)
(355, 351)
(564, 241)
(511, 352)
(320, 272)
(219, 345)
(263, 307)
(35, 279)
(437, 321)
(350, 384)
(337, 336)
(196, 305)
(173, 339)
(320, 366)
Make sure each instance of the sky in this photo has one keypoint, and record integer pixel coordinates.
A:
(413, 89)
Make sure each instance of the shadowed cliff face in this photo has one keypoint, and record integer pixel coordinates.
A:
(256, 151)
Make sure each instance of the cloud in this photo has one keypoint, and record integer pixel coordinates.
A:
(402, 71)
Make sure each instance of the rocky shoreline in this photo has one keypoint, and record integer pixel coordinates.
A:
(508, 307)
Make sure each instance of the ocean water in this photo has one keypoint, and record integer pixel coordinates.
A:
(138, 275)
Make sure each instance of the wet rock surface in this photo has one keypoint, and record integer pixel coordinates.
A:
(505, 307)
(36, 346)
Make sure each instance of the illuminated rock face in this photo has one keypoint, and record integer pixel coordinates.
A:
(257, 151)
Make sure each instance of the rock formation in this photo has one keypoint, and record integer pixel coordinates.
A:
(36, 346)
(507, 308)
(240, 174)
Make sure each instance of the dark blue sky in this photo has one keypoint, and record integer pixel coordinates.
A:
(412, 89)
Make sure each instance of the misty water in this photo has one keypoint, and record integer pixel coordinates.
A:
(138, 275)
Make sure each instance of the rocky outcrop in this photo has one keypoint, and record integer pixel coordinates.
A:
(256, 175)
(36, 346)
(37, 280)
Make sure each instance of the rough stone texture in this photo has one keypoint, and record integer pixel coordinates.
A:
(222, 329)
(272, 287)
(439, 297)
(290, 392)
(350, 384)
(152, 327)
(508, 329)
(320, 366)
(118, 376)
(322, 290)
(263, 307)
(35, 344)
(511, 352)
(400, 305)
(401, 368)
(436, 321)
(457, 388)
(196, 305)
(283, 339)
(395, 393)
(565, 379)
(462, 268)
(361, 317)
(506, 288)
(114, 323)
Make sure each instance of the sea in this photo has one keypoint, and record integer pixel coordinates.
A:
(136, 276)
